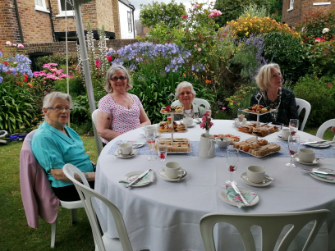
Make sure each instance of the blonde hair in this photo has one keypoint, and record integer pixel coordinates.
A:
(111, 71)
(264, 75)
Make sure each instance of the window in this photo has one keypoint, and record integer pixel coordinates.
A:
(40, 5)
(130, 26)
(291, 5)
(62, 4)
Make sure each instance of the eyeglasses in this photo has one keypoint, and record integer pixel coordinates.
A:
(185, 93)
(116, 78)
(60, 109)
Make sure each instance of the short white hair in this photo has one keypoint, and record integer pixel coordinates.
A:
(182, 85)
(50, 98)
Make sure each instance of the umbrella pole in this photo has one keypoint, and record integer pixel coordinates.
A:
(86, 68)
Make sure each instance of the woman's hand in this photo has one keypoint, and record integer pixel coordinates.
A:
(333, 129)
(58, 174)
(104, 121)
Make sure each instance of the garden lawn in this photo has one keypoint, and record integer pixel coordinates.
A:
(15, 234)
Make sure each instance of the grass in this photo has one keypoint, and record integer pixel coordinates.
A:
(15, 234)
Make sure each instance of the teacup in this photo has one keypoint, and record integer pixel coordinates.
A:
(125, 148)
(222, 142)
(188, 121)
(306, 155)
(256, 174)
(285, 133)
(173, 170)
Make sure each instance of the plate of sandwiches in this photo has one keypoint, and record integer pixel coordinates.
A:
(172, 109)
(260, 131)
(177, 146)
(259, 109)
(166, 127)
(257, 148)
(233, 138)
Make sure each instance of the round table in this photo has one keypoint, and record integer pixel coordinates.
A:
(165, 215)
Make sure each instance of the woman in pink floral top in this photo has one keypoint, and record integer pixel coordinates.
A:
(119, 111)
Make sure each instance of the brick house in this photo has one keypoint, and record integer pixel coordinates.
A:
(295, 10)
(41, 24)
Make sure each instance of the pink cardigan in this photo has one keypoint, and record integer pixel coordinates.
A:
(36, 192)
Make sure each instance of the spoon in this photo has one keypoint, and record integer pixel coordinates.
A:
(182, 176)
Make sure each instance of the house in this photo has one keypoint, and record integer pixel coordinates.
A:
(41, 24)
(294, 11)
(141, 31)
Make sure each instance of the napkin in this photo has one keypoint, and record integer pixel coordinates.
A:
(234, 197)
(324, 176)
(149, 178)
(320, 144)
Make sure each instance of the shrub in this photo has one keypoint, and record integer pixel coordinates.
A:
(58, 59)
(320, 93)
(254, 11)
(315, 25)
(244, 27)
(287, 51)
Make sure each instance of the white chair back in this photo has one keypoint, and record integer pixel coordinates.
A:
(86, 194)
(94, 117)
(197, 101)
(324, 127)
(303, 104)
(271, 224)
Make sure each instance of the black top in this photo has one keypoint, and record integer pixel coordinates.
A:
(287, 107)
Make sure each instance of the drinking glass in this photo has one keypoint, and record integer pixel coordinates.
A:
(294, 124)
(162, 149)
(293, 147)
(232, 160)
(150, 136)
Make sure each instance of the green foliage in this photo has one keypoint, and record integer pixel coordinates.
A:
(314, 24)
(155, 13)
(320, 93)
(287, 51)
(76, 86)
(275, 9)
(58, 59)
(254, 11)
(322, 57)
(17, 109)
(162, 34)
(241, 98)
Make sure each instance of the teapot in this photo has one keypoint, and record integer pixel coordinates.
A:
(206, 146)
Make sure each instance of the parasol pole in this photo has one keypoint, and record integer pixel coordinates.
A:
(86, 67)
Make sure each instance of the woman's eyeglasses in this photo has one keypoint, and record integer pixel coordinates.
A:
(60, 109)
(114, 79)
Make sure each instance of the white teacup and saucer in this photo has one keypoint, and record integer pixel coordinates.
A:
(125, 151)
(306, 157)
(255, 176)
(172, 172)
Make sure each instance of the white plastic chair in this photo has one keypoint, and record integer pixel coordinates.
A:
(197, 101)
(30, 197)
(303, 104)
(94, 117)
(271, 224)
(86, 194)
(324, 127)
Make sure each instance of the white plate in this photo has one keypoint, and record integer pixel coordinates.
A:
(315, 161)
(149, 178)
(322, 179)
(193, 124)
(317, 146)
(255, 113)
(161, 173)
(223, 196)
(134, 152)
(259, 157)
(245, 179)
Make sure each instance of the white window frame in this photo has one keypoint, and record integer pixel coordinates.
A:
(42, 7)
(64, 13)
(129, 19)
(291, 5)
(322, 3)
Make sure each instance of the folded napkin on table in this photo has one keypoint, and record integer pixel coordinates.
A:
(325, 176)
(234, 197)
(146, 179)
(325, 143)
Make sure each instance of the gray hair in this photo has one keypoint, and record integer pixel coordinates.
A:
(264, 75)
(111, 71)
(50, 98)
(182, 85)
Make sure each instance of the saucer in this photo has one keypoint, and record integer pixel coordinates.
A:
(315, 161)
(279, 136)
(225, 198)
(161, 173)
(247, 181)
(129, 177)
(133, 153)
(193, 124)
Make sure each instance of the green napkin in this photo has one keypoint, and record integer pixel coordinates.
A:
(235, 198)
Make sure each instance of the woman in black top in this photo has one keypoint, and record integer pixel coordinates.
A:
(271, 94)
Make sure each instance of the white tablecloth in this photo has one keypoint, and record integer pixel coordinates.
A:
(165, 215)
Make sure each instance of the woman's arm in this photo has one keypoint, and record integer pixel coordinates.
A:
(144, 120)
(58, 174)
(104, 121)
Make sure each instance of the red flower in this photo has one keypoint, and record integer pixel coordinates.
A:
(234, 102)
(162, 156)
(184, 16)
(329, 85)
(109, 58)
(17, 74)
(5, 63)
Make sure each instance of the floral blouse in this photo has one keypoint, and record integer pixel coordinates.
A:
(285, 105)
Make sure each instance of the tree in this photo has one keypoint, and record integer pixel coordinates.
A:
(155, 13)
(232, 9)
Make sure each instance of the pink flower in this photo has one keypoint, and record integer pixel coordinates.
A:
(109, 58)
(217, 111)
(195, 45)
(184, 16)
(97, 63)
(329, 85)
(199, 49)
(224, 108)
(234, 102)
(215, 13)
(211, 123)
(196, 6)
(206, 115)
(20, 46)
(202, 124)
(203, 118)
(8, 43)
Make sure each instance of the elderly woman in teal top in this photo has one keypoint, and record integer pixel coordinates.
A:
(55, 144)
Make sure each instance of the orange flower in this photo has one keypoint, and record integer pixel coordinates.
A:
(184, 75)
(208, 81)
(30, 85)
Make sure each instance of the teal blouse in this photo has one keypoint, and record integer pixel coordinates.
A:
(53, 149)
